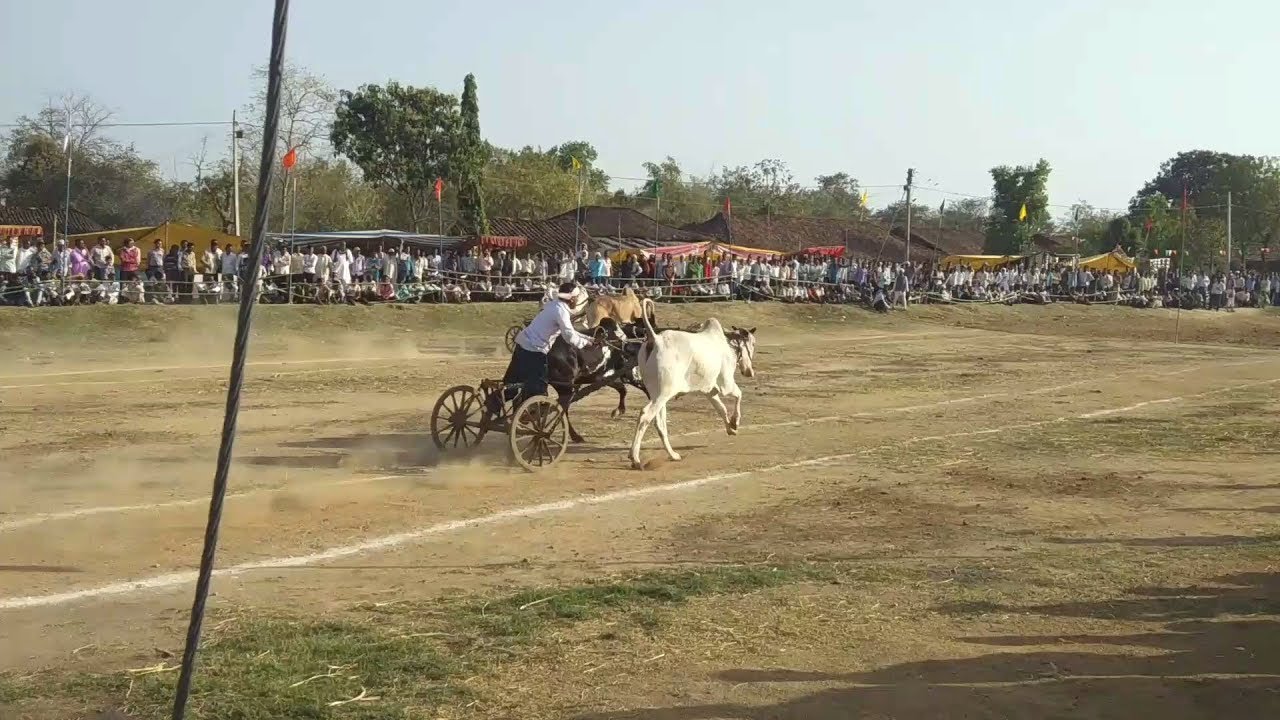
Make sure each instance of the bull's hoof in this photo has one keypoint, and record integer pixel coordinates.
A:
(577, 439)
(675, 457)
(732, 430)
(617, 412)
(637, 465)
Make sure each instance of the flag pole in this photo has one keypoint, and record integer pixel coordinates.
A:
(578, 214)
(66, 207)
(1182, 259)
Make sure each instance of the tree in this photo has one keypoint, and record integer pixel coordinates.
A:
(110, 181)
(468, 163)
(1250, 183)
(670, 198)
(1014, 188)
(400, 137)
(766, 188)
(306, 118)
(836, 195)
(565, 153)
(965, 213)
(528, 184)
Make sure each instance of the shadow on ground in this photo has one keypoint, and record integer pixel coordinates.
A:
(1214, 652)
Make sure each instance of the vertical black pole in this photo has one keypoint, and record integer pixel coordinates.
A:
(240, 350)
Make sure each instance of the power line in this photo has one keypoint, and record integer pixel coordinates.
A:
(188, 123)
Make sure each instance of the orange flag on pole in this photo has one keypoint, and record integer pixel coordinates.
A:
(439, 188)
(290, 158)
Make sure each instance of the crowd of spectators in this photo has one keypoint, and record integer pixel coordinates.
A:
(35, 274)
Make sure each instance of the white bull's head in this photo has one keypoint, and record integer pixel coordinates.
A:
(743, 342)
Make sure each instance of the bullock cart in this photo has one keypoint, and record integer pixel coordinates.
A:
(537, 431)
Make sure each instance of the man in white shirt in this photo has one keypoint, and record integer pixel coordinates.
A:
(528, 367)
(103, 260)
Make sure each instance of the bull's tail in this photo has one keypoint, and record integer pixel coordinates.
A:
(646, 311)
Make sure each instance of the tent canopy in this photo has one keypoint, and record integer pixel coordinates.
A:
(170, 233)
(1115, 261)
(978, 262)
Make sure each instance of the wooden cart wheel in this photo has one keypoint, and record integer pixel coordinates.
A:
(539, 433)
(458, 418)
(512, 332)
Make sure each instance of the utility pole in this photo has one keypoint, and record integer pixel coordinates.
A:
(235, 171)
(911, 174)
(1228, 232)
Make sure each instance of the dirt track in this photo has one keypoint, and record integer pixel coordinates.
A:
(993, 432)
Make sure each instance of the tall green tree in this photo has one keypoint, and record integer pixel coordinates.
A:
(1014, 188)
(597, 181)
(401, 137)
(1250, 183)
(529, 184)
(468, 162)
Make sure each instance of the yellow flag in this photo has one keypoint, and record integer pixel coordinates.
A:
(577, 165)
(1022, 214)
(864, 198)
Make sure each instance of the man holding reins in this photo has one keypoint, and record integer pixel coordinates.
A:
(528, 365)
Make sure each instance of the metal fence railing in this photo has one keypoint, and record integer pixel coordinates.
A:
(453, 287)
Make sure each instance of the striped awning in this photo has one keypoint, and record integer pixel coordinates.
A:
(20, 230)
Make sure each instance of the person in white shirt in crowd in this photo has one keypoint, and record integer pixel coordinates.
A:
(25, 253)
(340, 268)
(230, 265)
(282, 264)
(359, 266)
(324, 267)
(103, 260)
(310, 264)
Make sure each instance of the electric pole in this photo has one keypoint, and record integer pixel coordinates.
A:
(236, 134)
(911, 174)
(1228, 232)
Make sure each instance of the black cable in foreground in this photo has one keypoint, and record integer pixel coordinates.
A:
(248, 298)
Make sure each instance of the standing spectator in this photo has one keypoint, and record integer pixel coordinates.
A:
(324, 267)
(80, 266)
(155, 262)
(230, 265)
(359, 266)
(9, 260)
(171, 270)
(342, 261)
(1217, 289)
(25, 251)
(61, 261)
(309, 262)
(599, 274)
(212, 261)
(103, 260)
(130, 261)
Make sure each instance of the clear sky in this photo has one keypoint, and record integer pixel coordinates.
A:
(1105, 90)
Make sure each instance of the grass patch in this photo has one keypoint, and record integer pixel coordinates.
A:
(412, 657)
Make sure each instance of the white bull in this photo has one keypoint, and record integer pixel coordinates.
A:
(677, 362)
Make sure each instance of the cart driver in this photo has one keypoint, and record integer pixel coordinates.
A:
(528, 365)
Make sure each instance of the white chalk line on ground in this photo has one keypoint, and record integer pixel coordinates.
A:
(389, 542)
(111, 509)
(266, 363)
(42, 518)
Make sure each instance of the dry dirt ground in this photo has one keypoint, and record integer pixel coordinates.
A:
(976, 512)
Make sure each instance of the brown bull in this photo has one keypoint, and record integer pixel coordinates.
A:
(624, 309)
